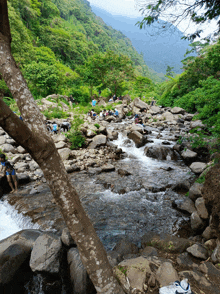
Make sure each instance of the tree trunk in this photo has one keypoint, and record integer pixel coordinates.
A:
(32, 135)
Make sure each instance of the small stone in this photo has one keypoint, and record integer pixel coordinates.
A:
(198, 167)
(198, 251)
(196, 222)
(200, 206)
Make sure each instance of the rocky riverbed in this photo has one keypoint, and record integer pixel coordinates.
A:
(131, 179)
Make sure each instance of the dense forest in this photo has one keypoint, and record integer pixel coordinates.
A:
(52, 40)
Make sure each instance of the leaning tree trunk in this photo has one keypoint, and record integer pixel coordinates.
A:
(34, 137)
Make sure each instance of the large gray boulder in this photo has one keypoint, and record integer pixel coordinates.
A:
(138, 138)
(160, 152)
(196, 124)
(155, 109)
(140, 104)
(201, 208)
(195, 191)
(186, 205)
(64, 153)
(78, 274)
(166, 274)
(168, 116)
(188, 155)
(178, 110)
(11, 260)
(99, 140)
(45, 254)
(8, 148)
(198, 167)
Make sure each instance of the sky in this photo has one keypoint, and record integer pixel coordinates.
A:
(129, 8)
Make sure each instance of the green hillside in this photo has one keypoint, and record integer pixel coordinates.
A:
(53, 39)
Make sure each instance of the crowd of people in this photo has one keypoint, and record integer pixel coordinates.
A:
(103, 113)
(55, 128)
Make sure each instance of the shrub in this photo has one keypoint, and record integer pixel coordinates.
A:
(51, 113)
(97, 126)
(75, 136)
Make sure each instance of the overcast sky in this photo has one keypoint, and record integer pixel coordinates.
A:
(130, 9)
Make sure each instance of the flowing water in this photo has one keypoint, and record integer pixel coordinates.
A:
(123, 205)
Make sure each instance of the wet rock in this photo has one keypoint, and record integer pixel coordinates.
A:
(181, 187)
(195, 191)
(107, 167)
(11, 260)
(166, 143)
(138, 138)
(124, 246)
(45, 254)
(160, 152)
(166, 274)
(112, 135)
(149, 251)
(23, 179)
(196, 222)
(188, 155)
(198, 251)
(123, 172)
(25, 238)
(99, 140)
(64, 153)
(201, 209)
(185, 205)
(78, 274)
(198, 167)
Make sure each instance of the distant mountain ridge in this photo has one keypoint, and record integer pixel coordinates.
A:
(159, 50)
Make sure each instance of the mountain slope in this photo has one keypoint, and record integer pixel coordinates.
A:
(158, 50)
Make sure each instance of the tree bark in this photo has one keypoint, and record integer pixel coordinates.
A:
(32, 135)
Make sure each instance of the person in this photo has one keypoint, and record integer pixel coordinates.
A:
(116, 113)
(93, 112)
(71, 101)
(100, 92)
(94, 102)
(8, 171)
(143, 110)
(21, 118)
(55, 128)
(65, 126)
(114, 98)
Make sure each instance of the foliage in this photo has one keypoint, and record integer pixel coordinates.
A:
(51, 113)
(97, 126)
(199, 12)
(169, 71)
(142, 85)
(74, 135)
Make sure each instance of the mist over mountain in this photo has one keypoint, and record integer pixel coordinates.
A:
(159, 50)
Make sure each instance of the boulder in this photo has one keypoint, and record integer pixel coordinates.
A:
(186, 205)
(198, 167)
(196, 222)
(2, 140)
(59, 138)
(216, 253)
(11, 260)
(201, 208)
(107, 167)
(208, 233)
(15, 159)
(123, 172)
(197, 250)
(21, 150)
(99, 140)
(78, 274)
(155, 109)
(160, 152)
(140, 104)
(45, 254)
(138, 138)
(196, 124)
(178, 110)
(60, 145)
(149, 251)
(21, 166)
(90, 133)
(195, 191)
(124, 247)
(168, 116)
(135, 271)
(188, 116)
(23, 179)
(64, 153)
(8, 148)
(188, 155)
(112, 135)
(166, 274)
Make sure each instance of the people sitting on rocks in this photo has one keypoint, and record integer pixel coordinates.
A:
(138, 120)
(93, 113)
(114, 97)
(8, 171)
(65, 126)
(55, 128)
(116, 114)
(101, 114)
(110, 112)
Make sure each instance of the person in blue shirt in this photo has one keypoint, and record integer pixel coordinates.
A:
(94, 102)
(55, 128)
(8, 171)
(116, 112)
